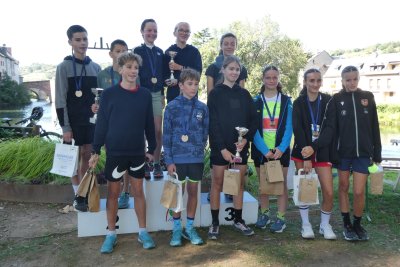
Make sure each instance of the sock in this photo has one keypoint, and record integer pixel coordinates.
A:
(75, 187)
(264, 211)
(357, 221)
(238, 215)
(346, 219)
(111, 232)
(215, 217)
(281, 215)
(142, 230)
(177, 223)
(325, 217)
(189, 223)
(304, 210)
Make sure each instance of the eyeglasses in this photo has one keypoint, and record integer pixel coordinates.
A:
(183, 31)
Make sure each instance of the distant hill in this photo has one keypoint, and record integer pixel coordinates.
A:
(39, 72)
(385, 48)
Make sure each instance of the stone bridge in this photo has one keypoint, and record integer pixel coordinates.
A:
(41, 89)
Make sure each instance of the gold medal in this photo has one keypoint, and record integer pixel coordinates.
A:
(184, 138)
(78, 93)
(154, 80)
(272, 124)
(315, 133)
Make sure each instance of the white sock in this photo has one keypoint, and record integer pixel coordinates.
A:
(141, 230)
(75, 187)
(304, 214)
(111, 232)
(325, 217)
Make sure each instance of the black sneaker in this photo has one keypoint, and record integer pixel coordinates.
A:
(80, 204)
(148, 168)
(243, 228)
(213, 232)
(361, 232)
(157, 172)
(349, 234)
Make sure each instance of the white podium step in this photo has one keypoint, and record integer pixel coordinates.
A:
(159, 218)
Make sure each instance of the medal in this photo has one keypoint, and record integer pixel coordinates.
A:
(315, 133)
(78, 93)
(271, 116)
(184, 138)
(272, 124)
(154, 80)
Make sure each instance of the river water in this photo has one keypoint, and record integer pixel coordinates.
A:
(50, 123)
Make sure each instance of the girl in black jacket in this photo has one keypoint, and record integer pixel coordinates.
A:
(354, 113)
(311, 148)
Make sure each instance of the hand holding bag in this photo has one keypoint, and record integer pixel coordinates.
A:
(231, 183)
(89, 193)
(65, 161)
(171, 197)
(266, 187)
(305, 187)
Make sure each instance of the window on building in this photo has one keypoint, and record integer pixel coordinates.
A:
(389, 84)
(378, 84)
(371, 84)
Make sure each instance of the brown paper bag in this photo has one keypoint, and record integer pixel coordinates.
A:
(231, 184)
(376, 183)
(169, 195)
(274, 171)
(266, 187)
(308, 190)
(84, 185)
(94, 195)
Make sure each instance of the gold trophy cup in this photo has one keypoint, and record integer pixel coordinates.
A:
(172, 54)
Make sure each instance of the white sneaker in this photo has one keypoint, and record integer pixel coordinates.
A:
(307, 231)
(327, 232)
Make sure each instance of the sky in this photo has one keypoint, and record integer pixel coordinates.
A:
(36, 29)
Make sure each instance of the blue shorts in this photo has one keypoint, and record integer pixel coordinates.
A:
(359, 165)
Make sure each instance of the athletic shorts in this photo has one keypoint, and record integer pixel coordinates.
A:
(314, 163)
(117, 166)
(83, 135)
(157, 106)
(359, 165)
(217, 159)
(285, 161)
(192, 171)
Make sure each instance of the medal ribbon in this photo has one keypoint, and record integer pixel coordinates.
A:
(271, 117)
(185, 124)
(314, 119)
(152, 60)
(112, 77)
(78, 84)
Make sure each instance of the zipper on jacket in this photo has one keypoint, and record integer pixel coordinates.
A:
(356, 125)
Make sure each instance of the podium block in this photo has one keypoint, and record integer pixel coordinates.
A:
(226, 212)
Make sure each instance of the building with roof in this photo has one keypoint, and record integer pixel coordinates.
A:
(9, 65)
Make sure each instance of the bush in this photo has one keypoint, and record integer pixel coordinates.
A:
(13, 93)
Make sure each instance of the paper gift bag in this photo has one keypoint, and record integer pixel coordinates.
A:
(309, 181)
(274, 171)
(266, 187)
(308, 190)
(65, 161)
(84, 185)
(169, 194)
(231, 184)
(376, 183)
(94, 194)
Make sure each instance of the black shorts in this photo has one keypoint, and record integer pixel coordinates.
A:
(192, 171)
(217, 159)
(117, 166)
(83, 135)
(285, 161)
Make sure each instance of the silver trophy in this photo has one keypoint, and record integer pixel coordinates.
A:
(241, 131)
(172, 54)
(97, 93)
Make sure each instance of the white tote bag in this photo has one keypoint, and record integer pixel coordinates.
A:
(65, 161)
(296, 187)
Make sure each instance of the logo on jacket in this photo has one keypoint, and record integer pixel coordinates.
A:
(343, 112)
(342, 103)
(364, 102)
(199, 116)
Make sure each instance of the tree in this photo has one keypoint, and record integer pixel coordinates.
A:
(259, 44)
(13, 93)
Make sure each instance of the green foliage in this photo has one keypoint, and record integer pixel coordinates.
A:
(388, 114)
(390, 47)
(259, 44)
(38, 71)
(13, 93)
(32, 159)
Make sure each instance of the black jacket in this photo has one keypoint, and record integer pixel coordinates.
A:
(355, 118)
(302, 129)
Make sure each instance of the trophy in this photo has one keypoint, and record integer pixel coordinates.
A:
(97, 92)
(172, 54)
(241, 131)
